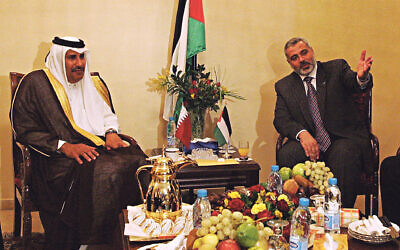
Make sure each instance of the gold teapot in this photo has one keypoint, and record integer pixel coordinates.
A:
(163, 198)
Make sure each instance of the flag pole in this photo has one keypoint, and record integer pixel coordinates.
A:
(226, 155)
(194, 62)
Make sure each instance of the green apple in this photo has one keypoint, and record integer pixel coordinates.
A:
(298, 169)
(286, 173)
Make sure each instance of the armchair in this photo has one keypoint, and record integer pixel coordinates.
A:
(369, 186)
(24, 203)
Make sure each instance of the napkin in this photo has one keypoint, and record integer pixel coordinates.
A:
(179, 243)
(133, 229)
(330, 243)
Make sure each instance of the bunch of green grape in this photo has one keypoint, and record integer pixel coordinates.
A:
(224, 225)
(318, 174)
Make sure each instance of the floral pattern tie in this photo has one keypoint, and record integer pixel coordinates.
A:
(321, 135)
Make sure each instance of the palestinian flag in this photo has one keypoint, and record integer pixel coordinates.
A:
(196, 41)
(183, 124)
(223, 130)
(189, 40)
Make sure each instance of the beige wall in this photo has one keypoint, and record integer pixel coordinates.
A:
(130, 42)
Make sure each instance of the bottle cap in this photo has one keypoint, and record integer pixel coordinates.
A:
(332, 181)
(202, 193)
(171, 118)
(304, 202)
(275, 168)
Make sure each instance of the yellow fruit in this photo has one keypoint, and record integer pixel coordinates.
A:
(248, 219)
(197, 243)
(207, 247)
(210, 239)
(262, 243)
(256, 248)
(268, 231)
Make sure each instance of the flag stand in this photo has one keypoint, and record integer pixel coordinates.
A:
(226, 155)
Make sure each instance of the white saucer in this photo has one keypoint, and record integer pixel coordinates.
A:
(248, 159)
(222, 151)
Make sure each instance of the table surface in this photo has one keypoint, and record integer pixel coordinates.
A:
(191, 177)
(352, 243)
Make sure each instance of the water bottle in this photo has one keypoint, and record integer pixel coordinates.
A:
(300, 226)
(201, 208)
(274, 181)
(332, 207)
(171, 128)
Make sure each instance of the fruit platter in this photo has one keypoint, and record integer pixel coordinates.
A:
(306, 179)
(230, 230)
(240, 217)
(240, 220)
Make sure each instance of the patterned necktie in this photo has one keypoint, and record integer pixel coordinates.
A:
(321, 135)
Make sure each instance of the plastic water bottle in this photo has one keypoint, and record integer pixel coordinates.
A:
(171, 128)
(332, 207)
(201, 208)
(300, 226)
(274, 180)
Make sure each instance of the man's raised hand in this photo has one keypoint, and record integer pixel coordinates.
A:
(364, 65)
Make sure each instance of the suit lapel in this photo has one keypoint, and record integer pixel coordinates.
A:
(321, 90)
(300, 95)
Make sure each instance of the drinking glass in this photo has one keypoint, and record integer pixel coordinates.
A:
(243, 150)
(277, 241)
(318, 214)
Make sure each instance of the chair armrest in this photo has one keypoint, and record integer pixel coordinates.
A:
(25, 169)
(279, 144)
(375, 151)
(128, 139)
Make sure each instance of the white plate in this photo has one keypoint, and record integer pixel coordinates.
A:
(355, 224)
(377, 239)
(248, 159)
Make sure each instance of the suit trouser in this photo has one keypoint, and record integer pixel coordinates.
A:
(390, 187)
(343, 157)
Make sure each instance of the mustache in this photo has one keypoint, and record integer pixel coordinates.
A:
(303, 63)
(77, 68)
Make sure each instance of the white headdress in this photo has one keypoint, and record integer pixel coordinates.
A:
(93, 120)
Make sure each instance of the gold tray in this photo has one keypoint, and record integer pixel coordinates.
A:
(160, 238)
(151, 239)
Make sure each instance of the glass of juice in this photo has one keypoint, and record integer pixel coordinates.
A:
(243, 150)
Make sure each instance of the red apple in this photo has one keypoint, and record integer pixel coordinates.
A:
(228, 245)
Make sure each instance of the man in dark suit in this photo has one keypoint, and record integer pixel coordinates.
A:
(315, 111)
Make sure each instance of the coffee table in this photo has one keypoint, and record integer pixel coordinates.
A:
(246, 173)
(352, 243)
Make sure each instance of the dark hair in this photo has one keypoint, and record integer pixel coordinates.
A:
(293, 41)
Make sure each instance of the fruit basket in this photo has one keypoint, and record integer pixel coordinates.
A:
(230, 230)
(240, 219)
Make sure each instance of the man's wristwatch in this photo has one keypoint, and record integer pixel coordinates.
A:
(110, 131)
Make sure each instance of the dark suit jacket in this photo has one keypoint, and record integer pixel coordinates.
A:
(336, 83)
